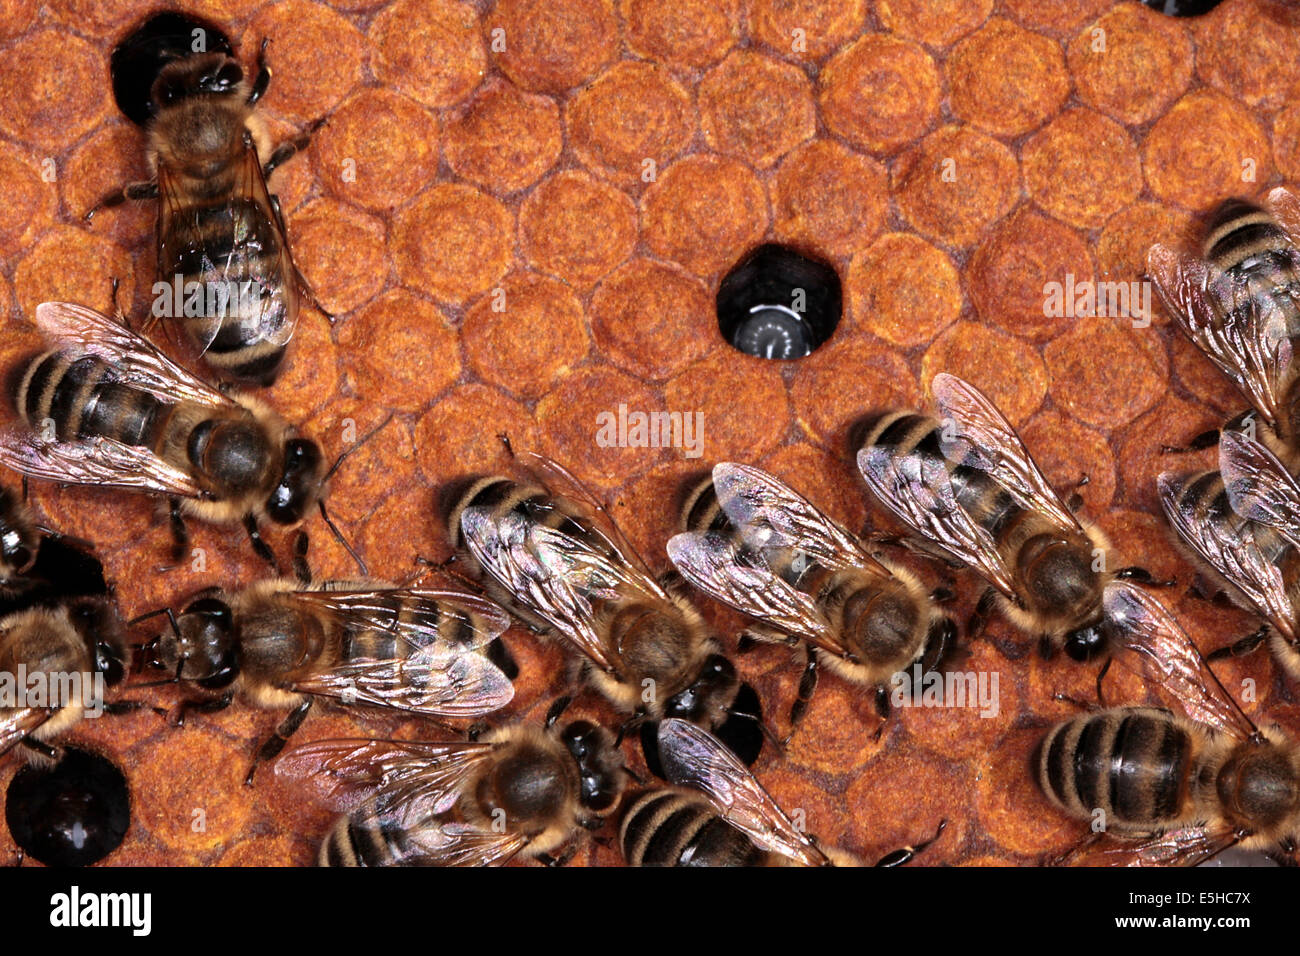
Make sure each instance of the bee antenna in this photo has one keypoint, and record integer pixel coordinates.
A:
(347, 451)
(338, 535)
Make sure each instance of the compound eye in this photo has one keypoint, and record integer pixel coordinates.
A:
(1085, 644)
(109, 664)
(230, 76)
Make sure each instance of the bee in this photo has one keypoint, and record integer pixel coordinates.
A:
(19, 538)
(73, 813)
(1173, 788)
(222, 243)
(966, 485)
(70, 641)
(753, 543)
(518, 791)
(281, 644)
(564, 568)
(719, 814)
(1239, 303)
(1242, 524)
(106, 408)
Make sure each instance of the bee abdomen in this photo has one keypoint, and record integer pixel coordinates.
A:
(667, 828)
(701, 511)
(1130, 763)
(360, 842)
(77, 394)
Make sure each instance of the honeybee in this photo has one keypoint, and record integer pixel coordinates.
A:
(719, 814)
(106, 408)
(19, 538)
(280, 644)
(1171, 789)
(518, 791)
(752, 542)
(62, 635)
(965, 483)
(1242, 523)
(225, 271)
(1239, 303)
(562, 565)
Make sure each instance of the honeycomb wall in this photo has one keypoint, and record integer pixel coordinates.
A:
(596, 167)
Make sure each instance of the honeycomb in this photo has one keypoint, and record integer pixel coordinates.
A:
(596, 166)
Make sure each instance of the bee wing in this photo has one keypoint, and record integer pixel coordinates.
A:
(1187, 846)
(985, 440)
(18, 724)
(94, 461)
(1259, 486)
(437, 681)
(1248, 343)
(1167, 658)
(693, 757)
(227, 253)
(770, 514)
(422, 617)
(1284, 207)
(343, 774)
(918, 490)
(553, 574)
(1234, 555)
(134, 359)
(443, 843)
(712, 563)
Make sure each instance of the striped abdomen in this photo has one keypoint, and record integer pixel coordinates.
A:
(78, 397)
(1131, 763)
(232, 255)
(364, 838)
(672, 828)
(1205, 496)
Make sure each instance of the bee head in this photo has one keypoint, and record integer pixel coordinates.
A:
(1087, 643)
(17, 550)
(202, 648)
(212, 74)
(718, 701)
(161, 39)
(300, 484)
(598, 763)
(97, 621)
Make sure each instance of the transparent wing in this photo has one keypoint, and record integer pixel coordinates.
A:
(134, 359)
(1168, 659)
(713, 563)
(438, 681)
(1248, 343)
(1284, 207)
(918, 489)
(94, 461)
(771, 515)
(17, 724)
(692, 757)
(983, 439)
(434, 842)
(1259, 486)
(419, 616)
(554, 575)
(1187, 846)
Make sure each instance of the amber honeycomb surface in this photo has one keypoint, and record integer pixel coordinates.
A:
(597, 166)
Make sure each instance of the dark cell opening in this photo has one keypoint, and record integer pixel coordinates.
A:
(72, 814)
(139, 58)
(1182, 8)
(779, 304)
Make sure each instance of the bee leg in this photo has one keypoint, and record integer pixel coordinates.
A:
(1143, 576)
(908, 853)
(202, 707)
(263, 74)
(807, 685)
(301, 569)
(39, 747)
(286, 151)
(180, 534)
(1101, 676)
(558, 707)
(1075, 501)
(119, 708)
(133, 191)
(547, 860)
(1086, 843)
(980, 616)
(882, 708)
(259, 545)
(1074, 701)
(275, 743)
(1240, 648)
(940, 642)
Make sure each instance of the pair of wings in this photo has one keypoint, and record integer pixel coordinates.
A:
(770, 519)
(134, 361)
(919, 490)
(559, 575)
(233, 257)
(1245, 335)
(1261, 491)
(431, 674)
(1165, 656)
(403, 786)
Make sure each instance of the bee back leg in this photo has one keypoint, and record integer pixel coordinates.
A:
(1143, 576)
(908, 853)
(980, 616)
(259, 544)
(180, 534)
(1248, 644)
(132, 191)
(275, 743)
(807, 687)
(201, 706)
(301, 569)
(1075, 501)
(287, 150)
(39, 747)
